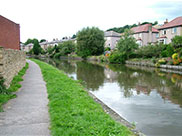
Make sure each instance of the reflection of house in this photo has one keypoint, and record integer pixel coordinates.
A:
(145, 34)
(111, 38)
(170, 30)
(110, 76)
(9, 34)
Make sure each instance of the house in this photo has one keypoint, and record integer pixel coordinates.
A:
(9, 34)
(27, 47)
(145, 34)
(111, 38)
(170, 30)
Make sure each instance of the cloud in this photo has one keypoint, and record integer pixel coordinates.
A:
(168, 9)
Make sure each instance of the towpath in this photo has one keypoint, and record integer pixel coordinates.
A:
(27, 115)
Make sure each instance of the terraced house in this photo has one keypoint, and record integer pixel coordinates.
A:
(145, 34)
(170, 30)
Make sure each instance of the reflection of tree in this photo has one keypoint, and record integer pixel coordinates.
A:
(92, 74)
(67, 67)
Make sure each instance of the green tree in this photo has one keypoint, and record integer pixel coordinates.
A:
(42, 40)
(28, 41)
(36, 47)
(90, 41)
(127, 44)
(177, 41)
(73, 37)
(68, 47)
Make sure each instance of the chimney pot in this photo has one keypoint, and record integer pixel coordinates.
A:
(166, 21)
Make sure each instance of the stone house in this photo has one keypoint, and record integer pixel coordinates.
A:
(170, 30)
(111, 38)
(145, 34)
(9, 34)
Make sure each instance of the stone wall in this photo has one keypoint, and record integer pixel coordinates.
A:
(11, 62)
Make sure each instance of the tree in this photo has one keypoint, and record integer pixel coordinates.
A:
(127, 44)
(177, 41)
(42, 40)
(36, 47)
(66, 47)
(28, 41)
(73, 37)
(90, 41)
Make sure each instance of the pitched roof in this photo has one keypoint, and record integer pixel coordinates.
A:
(111, 34)
(175, 22)
(144, 28)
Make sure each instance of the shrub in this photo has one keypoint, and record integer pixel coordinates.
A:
(162, 61)
(150, 51)
(57, 55)
(3, 89)
(175, 56)
(117, 57)
(66, 47)
(177, 41)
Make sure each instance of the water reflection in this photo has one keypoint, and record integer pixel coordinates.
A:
(149, 97)
(92, 74)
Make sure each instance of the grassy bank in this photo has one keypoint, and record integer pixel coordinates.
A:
(72, 111)
(7, 94)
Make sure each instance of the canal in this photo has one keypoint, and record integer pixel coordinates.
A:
(148, 98)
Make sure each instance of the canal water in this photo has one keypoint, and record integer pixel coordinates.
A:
(148, 98)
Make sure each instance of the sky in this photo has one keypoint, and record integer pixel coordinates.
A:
(49, 19)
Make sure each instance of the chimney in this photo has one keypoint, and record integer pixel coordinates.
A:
(149, 27)
(166, 21)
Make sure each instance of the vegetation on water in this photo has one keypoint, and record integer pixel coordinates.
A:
(7, 94)
(73, 111)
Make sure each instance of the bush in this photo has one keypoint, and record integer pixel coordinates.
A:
(90, 41)
(117, 57)
(66, 47)
(57, 55)
(150, 51)
(177, 41)
(3, 89)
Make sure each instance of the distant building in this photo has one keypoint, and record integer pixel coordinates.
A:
(9, 34)
(145, 34)
(46, 44)
(170, 30)
(111, 38)
(27, 47)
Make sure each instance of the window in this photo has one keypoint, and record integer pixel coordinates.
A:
(140, 35)
(164, 32)
(157, 35)
(174, 30)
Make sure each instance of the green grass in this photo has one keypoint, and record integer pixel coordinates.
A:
(14, 86)
(72, 111)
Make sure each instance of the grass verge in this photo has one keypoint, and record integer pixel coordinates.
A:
(72, 111)
(14, 86)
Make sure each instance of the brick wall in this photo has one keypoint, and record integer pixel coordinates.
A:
(11, 62)
(9, 34)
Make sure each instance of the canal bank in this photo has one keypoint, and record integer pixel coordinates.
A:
(72, 110)
(150, 99)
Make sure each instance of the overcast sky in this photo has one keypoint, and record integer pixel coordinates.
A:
(48, 19)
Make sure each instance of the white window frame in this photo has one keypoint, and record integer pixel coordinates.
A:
(174, 30)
